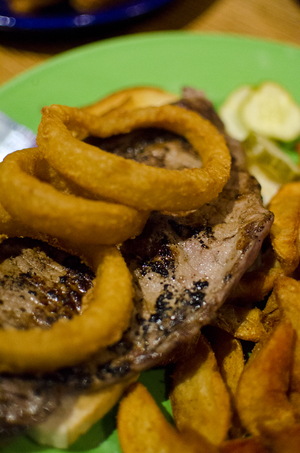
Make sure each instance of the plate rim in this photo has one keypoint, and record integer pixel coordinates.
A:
(140, 44)
(144, 36)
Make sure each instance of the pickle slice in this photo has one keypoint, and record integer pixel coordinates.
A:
(230, 113)
(269, 187)
(271, 159)
(270, 110)
(271, 166)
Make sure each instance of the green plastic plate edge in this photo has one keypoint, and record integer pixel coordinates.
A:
(215, 63)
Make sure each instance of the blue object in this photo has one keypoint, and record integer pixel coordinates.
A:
(59, 18)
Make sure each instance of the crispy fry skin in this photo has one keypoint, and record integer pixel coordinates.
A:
(262, 391)
(244, 445)
(285, 440)
(229, 355)
(230, 358)
(142, 428)
(199, 398)
(287, 294)
(283, 257)
(285, 230)
(242, 322)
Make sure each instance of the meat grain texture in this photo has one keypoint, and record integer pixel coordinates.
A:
(183, 268)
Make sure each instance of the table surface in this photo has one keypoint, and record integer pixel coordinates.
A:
(271, 19)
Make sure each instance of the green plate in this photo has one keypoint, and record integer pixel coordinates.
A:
(215, 64)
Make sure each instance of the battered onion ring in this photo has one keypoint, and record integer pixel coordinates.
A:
(131, 98)
(126, 181)
(127, 99)
(70, 342)
(42, 207)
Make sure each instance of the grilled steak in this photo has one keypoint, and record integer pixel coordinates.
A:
(183, 268)
(38, 285)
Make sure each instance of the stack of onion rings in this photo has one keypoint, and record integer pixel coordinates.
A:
(32, 201)
(126, 181)
(82, 198)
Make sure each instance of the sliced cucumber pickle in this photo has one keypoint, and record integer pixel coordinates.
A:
(270, 110)
(230, 113)
(274, 162)
(269, 187)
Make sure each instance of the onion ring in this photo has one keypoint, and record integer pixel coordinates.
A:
(131, 98)
(70, 342)
(42, 207)
(126, 181)
(127, 99)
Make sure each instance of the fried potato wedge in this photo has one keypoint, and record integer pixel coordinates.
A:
(256, 284)
(271, 314)
(241, 322)
(199, 397)
(285, 230)
(261, 396)
(230, 358)
(287, 294)
(283, 257)
(229, 355)
(244, 445)
(286, 440)
(142, 428)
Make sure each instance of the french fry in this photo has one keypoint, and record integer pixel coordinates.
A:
(199, 397)
(271, 314)
(262, 391)
(286, 440)
(287, 294)
(142, 428)
(244, 445)
(285, 230)
(229, 355)
(241, 322)
(256, 284)
(282, 258)
(230, 358)
(268, 406)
